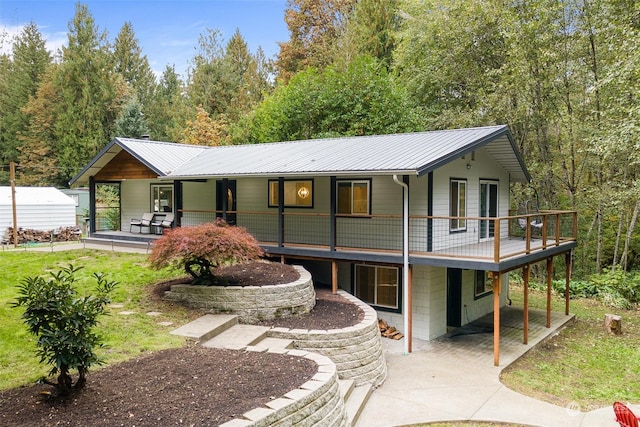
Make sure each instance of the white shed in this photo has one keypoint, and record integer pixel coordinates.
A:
(37, 208)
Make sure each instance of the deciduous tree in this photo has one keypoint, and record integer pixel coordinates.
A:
(200, 248)
(315, 27)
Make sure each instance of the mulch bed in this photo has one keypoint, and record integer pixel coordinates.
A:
(186, 386)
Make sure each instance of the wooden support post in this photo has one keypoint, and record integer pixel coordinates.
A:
(12, 178)
(497, 285)
(567, 273)
(526, 274)
(496, 240)
(549, 280)
(334, 277)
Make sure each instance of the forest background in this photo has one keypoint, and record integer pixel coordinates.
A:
(563, 75)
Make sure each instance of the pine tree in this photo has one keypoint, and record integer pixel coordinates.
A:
(132, 65)
(19, 79)
(131, 122)
(91, 94)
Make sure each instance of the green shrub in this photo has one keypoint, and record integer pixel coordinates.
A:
(614, 287)
(64, 323)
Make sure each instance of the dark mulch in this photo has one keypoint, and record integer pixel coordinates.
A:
(189, 385)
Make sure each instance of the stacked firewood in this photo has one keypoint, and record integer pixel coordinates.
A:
(389, 331)
(63, 234)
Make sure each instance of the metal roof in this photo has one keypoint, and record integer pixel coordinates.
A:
(161, 157)
(409, 153)
(403, 154)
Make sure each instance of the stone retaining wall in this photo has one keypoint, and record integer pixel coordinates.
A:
(356, 350)
(317, 402)
(250, 303)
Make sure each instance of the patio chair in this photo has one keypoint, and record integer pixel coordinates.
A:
(624, 416)
(536, 226)
(145, 221)
(535, 223)
(166, 222)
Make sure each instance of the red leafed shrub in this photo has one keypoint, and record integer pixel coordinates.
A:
(200, 248)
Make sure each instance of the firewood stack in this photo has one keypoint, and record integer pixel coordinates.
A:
(63, 234)
(389, 331)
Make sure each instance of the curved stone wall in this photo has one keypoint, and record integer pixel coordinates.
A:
(356, 350)
(317, 402)
(250, 303)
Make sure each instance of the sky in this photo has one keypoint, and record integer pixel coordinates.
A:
(167, 30)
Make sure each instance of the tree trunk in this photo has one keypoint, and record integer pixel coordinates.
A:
(613, 324)
(624, 259)
(616, 247)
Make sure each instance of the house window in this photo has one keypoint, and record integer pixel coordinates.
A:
(162, 198)
(297, 194)
(354, 197)
(483, 284)
(377, 285)
(458, 204)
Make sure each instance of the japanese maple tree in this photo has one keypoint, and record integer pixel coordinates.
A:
(203, 247)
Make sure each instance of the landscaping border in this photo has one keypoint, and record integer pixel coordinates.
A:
(356, 350)
(250, 303)
(318, 402)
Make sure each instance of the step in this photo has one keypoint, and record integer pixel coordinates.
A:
(238, 337)
(346, 387)
(356, 402)
(269, 343)
(206, 327)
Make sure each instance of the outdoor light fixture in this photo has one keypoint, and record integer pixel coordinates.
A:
(469, 166)
(303, 192)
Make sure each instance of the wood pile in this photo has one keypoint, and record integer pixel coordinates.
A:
(389, 331)
(63, 234)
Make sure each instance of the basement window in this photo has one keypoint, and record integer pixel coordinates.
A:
(377, 285)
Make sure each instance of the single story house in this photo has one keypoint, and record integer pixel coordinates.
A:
(418, 225)
(37, 208)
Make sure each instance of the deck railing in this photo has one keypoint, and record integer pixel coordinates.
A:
(461, 237)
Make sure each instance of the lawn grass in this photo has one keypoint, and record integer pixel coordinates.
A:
(125, 336)
(582, 364)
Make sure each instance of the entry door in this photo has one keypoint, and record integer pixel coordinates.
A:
(454, 297)
(488, 208)
(226, 200)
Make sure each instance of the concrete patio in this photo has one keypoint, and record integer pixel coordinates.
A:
(454, 379)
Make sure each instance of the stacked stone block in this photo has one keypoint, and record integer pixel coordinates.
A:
(356, 350)
(250, 303)
(317, 402)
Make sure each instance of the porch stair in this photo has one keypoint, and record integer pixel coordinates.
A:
(224, 331)
(355, 398)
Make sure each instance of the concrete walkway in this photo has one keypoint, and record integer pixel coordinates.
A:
(454, 379)
(107, 245)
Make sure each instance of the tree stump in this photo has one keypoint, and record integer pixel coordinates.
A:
(613, 324)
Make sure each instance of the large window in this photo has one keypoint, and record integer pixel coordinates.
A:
(458, 204)
(297, 194)
(162, 198)
(354, 197)
(377, 285)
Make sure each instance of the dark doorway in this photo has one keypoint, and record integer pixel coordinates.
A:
(226, 200)
(454, 297)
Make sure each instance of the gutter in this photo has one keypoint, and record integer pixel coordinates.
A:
(405, 269)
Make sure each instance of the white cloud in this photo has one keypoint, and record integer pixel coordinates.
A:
(8, 33)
